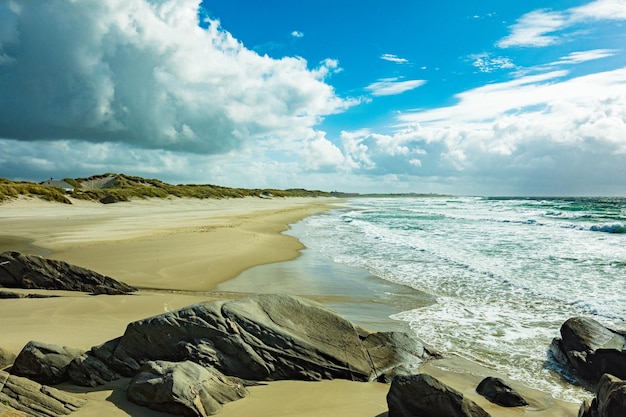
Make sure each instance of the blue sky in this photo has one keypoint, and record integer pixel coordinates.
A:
(462, 97)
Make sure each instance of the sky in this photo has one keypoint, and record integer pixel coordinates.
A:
(466, 97)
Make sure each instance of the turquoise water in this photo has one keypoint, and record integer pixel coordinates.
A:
(505, 272)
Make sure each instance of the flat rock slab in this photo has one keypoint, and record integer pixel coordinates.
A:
(268, 337)
(31, 271)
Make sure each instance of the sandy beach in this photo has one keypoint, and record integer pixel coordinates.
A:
(178, 252)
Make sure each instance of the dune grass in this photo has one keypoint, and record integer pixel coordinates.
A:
(125, 188)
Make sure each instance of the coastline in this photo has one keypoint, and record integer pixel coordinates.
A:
(179, 252)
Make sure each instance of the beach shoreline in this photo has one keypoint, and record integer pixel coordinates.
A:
(180, 252)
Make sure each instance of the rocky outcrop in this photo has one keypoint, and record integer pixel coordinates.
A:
(31, 271)
(590, 350)
(44, 363)
(267, 337)
(610, 400)
(424, 395)
(183, 388)
(499, 392)
(21, 396)
(178, 360)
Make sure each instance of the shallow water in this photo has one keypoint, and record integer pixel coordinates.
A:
(504, 274)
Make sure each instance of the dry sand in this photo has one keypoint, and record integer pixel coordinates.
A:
(177, 252)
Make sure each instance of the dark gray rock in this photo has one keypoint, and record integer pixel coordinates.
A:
(8, 295)
(44, 363)
(424, 395)
(267, 337)
(89, 371)
(590, 350)
(610, 400)
(183, 388)
(21, 395)
(31, 271)
(499, 392)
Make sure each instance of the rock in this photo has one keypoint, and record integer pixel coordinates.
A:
(89, 371)
(21, 395)
(267, 337)
(499, 392)
(6, 295)
(610, 400)
(590, 349)
(44, 363)
(6, 358)
(183, 388)
(31, 271)
(109, 199)
(424, 395)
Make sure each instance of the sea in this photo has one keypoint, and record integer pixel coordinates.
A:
(487, 279)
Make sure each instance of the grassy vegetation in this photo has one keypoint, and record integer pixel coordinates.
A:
(125, 188)
(11, 189)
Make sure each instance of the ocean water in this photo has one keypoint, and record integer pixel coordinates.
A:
(504, 273)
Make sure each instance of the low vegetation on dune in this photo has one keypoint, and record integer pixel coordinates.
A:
(12, 189)
(110, 188)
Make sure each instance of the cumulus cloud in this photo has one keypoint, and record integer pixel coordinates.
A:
(529, 126)
(297, 34)
(143, 73)
(393, 86)
(543, 27)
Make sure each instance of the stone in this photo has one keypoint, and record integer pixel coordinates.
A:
(183, 388)
(89, 371)
(21, 395)
(267, 337)
(424, 395)
(31, 271)
(44, 363)
(588, 349)
(499, 392)
(610, 400)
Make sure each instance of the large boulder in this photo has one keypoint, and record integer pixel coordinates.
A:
(44, 363)
(499, 392)
(21, 396)
(267, 337)
(31, 271)
(424, 395)
(590, 349)
(610, 400)
(183, 388)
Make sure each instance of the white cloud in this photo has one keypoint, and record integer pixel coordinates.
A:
(541, 27)
(394, 58)
(584, 56)
(486, 63)
(393, 86)
(143, 73)
(512, 127)
(534, 29)
(600, 10)
(321, 154)
(297, 34)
